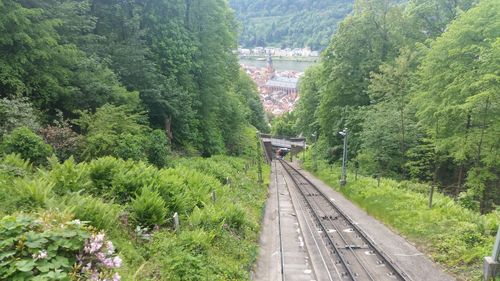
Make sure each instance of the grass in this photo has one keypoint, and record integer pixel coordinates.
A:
(452, 235)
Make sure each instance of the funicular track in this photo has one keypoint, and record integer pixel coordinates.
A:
(353, 253)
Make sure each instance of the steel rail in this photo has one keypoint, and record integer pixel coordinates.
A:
(316, 216)
(294, 197)
(282, 256)
(339, 232)
(388, 261)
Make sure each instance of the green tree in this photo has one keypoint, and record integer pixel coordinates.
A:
(458, 95)
(307, 106)
(116, 131)
(26, 143)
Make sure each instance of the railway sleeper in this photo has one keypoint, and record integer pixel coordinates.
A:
(354, 247)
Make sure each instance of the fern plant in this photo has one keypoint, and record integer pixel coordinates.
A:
(148, 209)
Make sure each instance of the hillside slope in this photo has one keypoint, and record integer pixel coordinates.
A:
(289, 23)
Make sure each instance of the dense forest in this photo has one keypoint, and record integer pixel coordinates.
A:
(417, 86)
(106, 108)
(171, 60)
(289, 23)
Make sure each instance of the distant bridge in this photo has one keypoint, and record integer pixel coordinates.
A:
(272, 143)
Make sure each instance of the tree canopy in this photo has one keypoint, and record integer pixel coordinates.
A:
(417, 86)
(169, 58)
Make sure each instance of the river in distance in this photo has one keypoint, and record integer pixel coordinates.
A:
(279, 65)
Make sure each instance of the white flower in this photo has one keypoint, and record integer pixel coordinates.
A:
(117, 261)
(41, 255)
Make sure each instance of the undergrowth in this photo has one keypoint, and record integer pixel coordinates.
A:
(218, 200)
(452, 235)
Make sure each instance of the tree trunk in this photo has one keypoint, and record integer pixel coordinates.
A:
(168, 129)
(461, 169)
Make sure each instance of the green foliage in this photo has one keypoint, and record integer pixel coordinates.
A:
(95, 211)
(457, 96)
(285, 125)
(414, 83)
(158, 151)
(290, 24)
(39, 248)
(248, 94)
(14, 165)
(27, 144)
(454, 235)
(16, 113)
(101, 173)
(130, 178)
(130, 147)
(29, 194)
(114, 131)
(148, 208)
(37, 63)
(183, 189)
(68, 177)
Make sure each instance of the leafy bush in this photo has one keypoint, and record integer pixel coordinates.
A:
(68, 176)
(99, 214)
(16, 113)
(53, 247)
(106, 128)
(14, 165)
(29, 145)
(130, 178)
(221, 170)
(97, 260)
(44, 248)
(193, 189)
(230, 217)
(102, 172)
(148, 209)
(62, 138)
(184, 257)
(130, 147)
(158, 149)
(31, 193)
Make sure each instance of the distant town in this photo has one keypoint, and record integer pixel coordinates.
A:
(279, 91)
(277, 52)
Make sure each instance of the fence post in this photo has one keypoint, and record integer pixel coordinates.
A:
(176, 222)
(491, 266)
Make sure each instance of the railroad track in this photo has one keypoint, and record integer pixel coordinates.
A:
(352, 254)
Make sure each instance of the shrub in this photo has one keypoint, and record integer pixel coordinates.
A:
(68, 176)
(184, 189)
(97, 260)
(101, 173)
(130, 178)
(44, 247)
(229, 216)
(62, 138)
(184, 257)
(16, 113)
(106, 128)
(148, 209)
(30, 193)
(29, 145)
(99, 214)
(130, 147)
(158, 149)
(13, 165)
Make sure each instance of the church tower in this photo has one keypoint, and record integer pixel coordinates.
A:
(270, 67)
